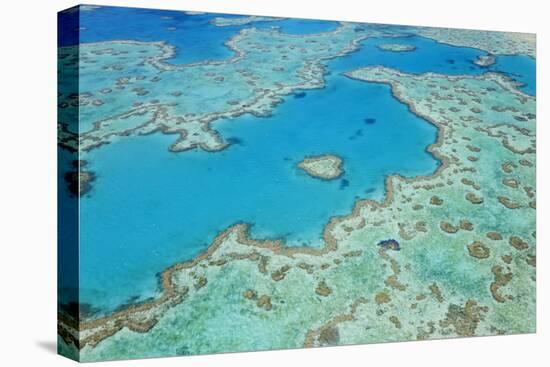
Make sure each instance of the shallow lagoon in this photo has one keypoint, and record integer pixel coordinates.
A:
(177, 203)
(170, 206)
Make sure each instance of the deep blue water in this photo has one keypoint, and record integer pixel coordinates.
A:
(519, 67)
(150, 208)
(187, 32)
(197, 40)
(67, 224)
(429, 56)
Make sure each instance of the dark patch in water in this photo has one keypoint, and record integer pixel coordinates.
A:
(79, 310)
(370, 191)
(183, 350)
(134, 300)
(299, 94)
(390, 244)
(235, 141)
(513, 75)
(343, 184)
(370, 121)
(358, 134)
(450, 61)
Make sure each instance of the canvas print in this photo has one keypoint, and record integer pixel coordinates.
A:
(234, 183)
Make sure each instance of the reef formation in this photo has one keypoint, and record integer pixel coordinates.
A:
(437, 285)
(485, 60)
(396, 47)
(496, 43)
(114, 110)
(326, 167)
(224, 22)
(443, 255)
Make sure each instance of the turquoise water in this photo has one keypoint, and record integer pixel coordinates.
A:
(150, 208)
(170, 206)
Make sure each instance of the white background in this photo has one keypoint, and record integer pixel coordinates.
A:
(28, 181)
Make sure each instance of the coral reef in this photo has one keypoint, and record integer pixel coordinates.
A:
(431, 288)
(396, 47)
(326, 167)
